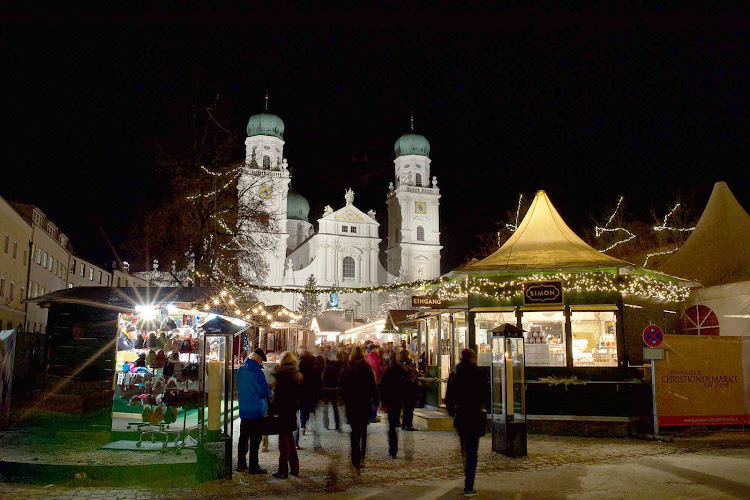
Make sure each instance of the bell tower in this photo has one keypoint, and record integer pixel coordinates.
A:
(413, 243)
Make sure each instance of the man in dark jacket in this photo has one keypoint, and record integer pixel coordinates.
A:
(360, 393)
(465, 397)
(252, 394)
(393, 388)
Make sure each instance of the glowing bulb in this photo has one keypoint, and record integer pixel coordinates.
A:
(223, 293)
(206, 307)
(216, 302)
(238, 312)
(255, 311)
(231, 302)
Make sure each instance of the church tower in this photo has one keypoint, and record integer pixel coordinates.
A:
(413, 244)
(264, 183)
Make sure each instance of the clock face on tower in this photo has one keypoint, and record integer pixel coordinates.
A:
(420, 207)
(266, 192)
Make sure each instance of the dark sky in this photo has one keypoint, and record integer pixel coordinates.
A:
(587, 106)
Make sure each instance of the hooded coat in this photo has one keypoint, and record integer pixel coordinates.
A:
(252, 390)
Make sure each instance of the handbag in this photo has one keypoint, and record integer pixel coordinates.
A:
(270, 425)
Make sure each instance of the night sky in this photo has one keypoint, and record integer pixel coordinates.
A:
(587, 106)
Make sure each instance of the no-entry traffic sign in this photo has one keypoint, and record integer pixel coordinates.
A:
(653, 335)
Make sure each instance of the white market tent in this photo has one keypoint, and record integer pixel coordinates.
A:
(543, 241)
(717, 255)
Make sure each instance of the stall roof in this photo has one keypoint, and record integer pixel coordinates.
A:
(333, 321)
(400, 318)
(123, 299)
(544, 242)
(717, 251)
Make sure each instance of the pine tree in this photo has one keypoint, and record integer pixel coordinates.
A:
(309, 306)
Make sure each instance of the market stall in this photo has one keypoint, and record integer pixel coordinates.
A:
(582, 312)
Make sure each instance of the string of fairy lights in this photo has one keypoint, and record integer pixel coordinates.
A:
(665, 227)
(606, 229)
(226, 301)
(629, 284)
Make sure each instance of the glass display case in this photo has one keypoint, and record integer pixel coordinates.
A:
(508, 394)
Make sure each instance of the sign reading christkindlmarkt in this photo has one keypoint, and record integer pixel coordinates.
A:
(701, 381)
(542, 292)
(423, 301)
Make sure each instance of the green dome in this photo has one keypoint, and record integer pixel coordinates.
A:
(412, 144)
(297, 206)
(265, 124)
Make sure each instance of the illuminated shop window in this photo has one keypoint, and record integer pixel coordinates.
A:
(594, 341)
(544, 338)
(483, 325)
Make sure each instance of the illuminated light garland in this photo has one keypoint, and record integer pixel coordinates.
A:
(607, 229)
(215, 191)
(514, 227)
(219, 174)
(665, 227)
(665, 252)
(582, 282)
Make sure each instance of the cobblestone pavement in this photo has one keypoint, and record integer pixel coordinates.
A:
(424, 457)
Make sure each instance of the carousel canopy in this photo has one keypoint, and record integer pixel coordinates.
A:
(544, 242)
(717, 251)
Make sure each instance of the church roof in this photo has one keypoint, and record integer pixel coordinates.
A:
(544, 242)
(297, 206)
(265, 124)
(412, 144)
(717, 251)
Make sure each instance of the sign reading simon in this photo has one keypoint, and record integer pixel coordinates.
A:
(542, 292)
(423, 301)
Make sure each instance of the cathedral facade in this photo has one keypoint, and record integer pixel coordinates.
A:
(344, 249)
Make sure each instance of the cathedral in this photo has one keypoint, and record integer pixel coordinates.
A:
(344, 249)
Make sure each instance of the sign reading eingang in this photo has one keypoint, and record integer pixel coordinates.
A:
(542, 293)
(424, 301)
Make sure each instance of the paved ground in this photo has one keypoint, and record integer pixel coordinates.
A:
(429, 467)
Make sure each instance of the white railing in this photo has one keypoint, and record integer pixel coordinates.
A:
(267, 173)
(417, 189)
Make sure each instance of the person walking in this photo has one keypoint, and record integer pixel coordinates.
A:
(411, 390)
(465, 398)
(285, 404)
(375, 360)
(392, 391)
(360, 394)
(252, 393)
(331, 380)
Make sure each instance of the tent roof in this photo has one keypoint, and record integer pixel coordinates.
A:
(544, 242)
(717, 251)
(122, 299)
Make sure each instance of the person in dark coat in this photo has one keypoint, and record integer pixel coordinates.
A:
(411, 390)
(360, 393)
(392, 391)
(331, 380)
(140, 341)
(151, 341)
(465, 398)
(253, 393)
(285, 404)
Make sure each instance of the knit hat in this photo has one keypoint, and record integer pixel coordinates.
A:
(260, 352)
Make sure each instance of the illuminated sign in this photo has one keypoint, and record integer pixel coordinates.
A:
(542, 292)
(422, 301)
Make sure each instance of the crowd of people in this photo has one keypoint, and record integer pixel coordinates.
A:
(291, 398)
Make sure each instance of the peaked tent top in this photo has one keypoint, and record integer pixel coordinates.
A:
(717, 251)
(544, 242)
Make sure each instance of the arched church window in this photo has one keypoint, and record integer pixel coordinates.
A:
(348, 267)
(419, 179)
(420, 233)
(266, 161)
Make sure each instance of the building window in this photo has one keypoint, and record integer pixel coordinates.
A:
(699, 320)
(36, 290)
(266, 161)
(23, 292)
(73, 266)
(10, 290)
(100, 277)
(594, 342)
(91, 274)
(354, 229)
(25, 256)
(118, 282)
(420, 233)
(344, 229)
(106, 278)
(544, 338)
(5, 245)
(15, 249)
(348, 267)
(44, 259)
(42, 290)
(418, 178)
(2, 287)
(83, 269)
(38, 255)
(50, 263)
(70, 285)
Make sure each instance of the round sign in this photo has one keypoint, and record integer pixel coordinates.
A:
(653, 335)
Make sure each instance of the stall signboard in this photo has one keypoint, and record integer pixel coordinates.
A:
(543, 293)
(700, 381)
(425, 301)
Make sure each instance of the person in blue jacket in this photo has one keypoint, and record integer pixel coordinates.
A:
(253, 393)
